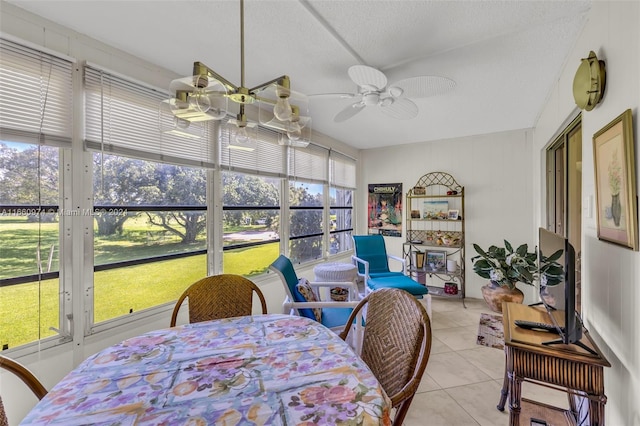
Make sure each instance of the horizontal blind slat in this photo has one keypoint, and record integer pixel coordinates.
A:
(36, 93)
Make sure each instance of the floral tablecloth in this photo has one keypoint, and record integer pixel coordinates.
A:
(259, 370)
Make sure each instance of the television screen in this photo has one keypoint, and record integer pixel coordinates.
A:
(556, 269)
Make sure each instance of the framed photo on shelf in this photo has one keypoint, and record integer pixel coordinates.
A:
(453, 214)
(436, 209)
(615, 177)
(436, 259)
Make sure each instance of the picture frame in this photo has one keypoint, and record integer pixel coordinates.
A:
(453, 214)
(435, 209)
(436, 259)
(615, 179)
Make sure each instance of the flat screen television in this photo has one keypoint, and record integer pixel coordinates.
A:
(557, 285)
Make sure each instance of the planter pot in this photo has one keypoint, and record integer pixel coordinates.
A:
(494, 295)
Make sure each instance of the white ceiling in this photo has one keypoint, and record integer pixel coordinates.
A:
(503, 55)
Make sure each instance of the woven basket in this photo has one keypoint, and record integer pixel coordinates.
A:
(339, 294)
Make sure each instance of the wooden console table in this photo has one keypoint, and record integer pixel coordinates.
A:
(567, 368)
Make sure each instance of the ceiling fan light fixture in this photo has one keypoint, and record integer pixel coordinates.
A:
(394, 100)
(386, 102)
(371, 98)
(395, 91)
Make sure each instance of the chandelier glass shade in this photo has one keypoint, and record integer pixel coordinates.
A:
(206, 95)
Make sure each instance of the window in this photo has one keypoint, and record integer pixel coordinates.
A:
(149, 199)
(306, 202)
(251, 222)
(341, 225)
(146, 197)
(35, 132)
(149, 234)
(564, 190)
(29, 243)
(308, 170)
(342, 172)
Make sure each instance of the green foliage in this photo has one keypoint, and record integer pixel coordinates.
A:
(305, 222)
(504, 266)
(29, 176)
(123, 181)
(251, 191)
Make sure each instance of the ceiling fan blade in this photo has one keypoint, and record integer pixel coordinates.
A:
(368, 78)
(423, 86)
(402, 109)
(335, 95)
(348, 112)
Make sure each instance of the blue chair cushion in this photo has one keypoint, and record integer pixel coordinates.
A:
(386, 274)
(336, 317)
(402, 282)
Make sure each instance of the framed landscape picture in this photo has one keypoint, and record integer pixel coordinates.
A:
(436, 209)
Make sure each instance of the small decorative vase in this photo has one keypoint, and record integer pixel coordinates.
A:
(495, 294)
(616, 209)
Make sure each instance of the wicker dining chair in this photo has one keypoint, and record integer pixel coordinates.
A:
(396, 344)
(26, 376)
(219, 296)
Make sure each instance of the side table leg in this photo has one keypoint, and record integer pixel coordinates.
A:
(596, 410)
(504, 392)
(515, 388)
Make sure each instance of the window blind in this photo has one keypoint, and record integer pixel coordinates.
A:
(342, 170)
(122, 117)
(309, 163)
(268, 159)
(36, 96)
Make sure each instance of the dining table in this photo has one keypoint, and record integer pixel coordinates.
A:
(270, 369)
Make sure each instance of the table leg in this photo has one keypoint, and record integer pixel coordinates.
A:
(515, 389)
(596, 410)
(504, 392)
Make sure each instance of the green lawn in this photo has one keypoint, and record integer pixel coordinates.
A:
(27, 310)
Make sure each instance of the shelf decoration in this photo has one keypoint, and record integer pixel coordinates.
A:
(436, 209)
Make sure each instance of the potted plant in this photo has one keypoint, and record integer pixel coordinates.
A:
(504, 267)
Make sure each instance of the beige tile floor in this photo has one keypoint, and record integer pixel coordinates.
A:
(462, 382)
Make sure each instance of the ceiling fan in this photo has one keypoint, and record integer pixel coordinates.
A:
(395, 99)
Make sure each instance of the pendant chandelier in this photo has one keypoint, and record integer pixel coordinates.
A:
(206, 94)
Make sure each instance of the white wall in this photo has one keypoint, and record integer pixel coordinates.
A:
(611, 274)
(495, 170)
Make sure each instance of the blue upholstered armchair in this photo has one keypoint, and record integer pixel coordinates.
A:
(372, 260)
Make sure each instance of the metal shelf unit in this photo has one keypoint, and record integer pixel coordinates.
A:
(435, 232)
